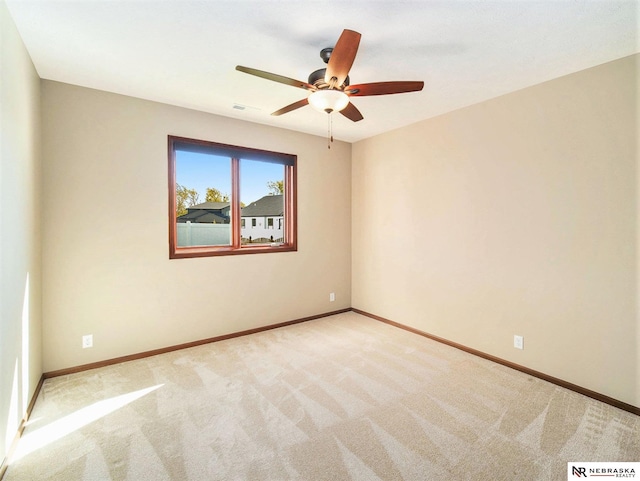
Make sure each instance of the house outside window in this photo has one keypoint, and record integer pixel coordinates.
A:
(229, 179)
(265, 213)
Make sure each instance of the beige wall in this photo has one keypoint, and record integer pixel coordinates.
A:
(106, 257)
(20, 272)
(518, 215)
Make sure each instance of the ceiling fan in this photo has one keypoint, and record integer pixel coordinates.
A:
(329, 87)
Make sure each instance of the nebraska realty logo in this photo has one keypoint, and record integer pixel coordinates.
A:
(602, 470)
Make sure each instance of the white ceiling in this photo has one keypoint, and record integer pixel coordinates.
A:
(184, 52)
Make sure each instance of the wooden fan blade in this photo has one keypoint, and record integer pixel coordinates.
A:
(383, 88)
(342, 57)
(352, 113)
(275, 77)
(293, 106)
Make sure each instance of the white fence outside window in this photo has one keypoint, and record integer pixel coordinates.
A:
(194, 234)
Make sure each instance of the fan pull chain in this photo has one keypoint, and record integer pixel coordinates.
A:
(329, 130)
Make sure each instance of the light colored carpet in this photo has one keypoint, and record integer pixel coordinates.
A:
(339, 398)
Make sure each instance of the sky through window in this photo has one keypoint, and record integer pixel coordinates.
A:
(199, 171)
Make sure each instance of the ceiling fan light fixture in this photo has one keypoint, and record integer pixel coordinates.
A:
(328, 100)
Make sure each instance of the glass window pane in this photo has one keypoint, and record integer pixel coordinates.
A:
(203, 199)
(262, 197)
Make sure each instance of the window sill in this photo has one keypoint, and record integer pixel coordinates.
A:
(188, 252)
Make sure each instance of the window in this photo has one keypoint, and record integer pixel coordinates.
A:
(214, 187)
(270, 222)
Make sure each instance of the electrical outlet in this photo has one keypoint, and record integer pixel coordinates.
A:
(518, 342)
(87, 341)
(332, 296)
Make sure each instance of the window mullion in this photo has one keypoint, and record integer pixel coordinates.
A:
(235, 203)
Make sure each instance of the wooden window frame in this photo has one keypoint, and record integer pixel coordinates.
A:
(288, 161)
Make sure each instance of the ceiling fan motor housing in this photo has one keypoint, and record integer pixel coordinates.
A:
(317, 78)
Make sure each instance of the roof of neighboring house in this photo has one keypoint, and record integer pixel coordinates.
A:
(204, 215)
(211, 218)
(210, 206)
(269, 205)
